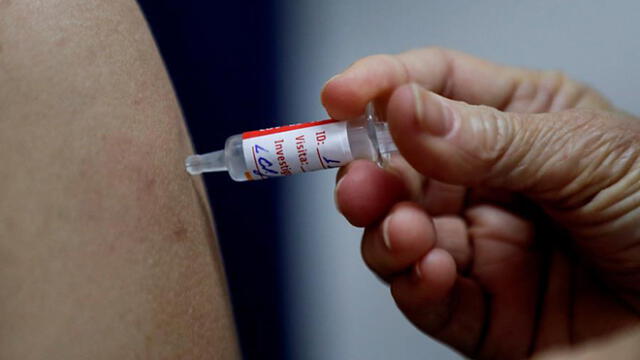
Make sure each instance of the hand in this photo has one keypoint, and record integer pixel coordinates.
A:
(511, 223)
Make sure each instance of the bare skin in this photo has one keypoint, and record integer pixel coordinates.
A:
(509, 227)
(106, 244)
(623, 345)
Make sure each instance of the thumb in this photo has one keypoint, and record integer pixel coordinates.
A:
(568, 155)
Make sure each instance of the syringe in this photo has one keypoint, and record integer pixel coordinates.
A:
(287, 150)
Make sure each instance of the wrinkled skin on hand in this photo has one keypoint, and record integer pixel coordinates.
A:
(510, 225)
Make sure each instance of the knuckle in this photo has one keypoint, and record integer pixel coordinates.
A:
(435, 54)
(546, 90)
(550, 84)
(498, 143)
(553, 82)
(427, 52)
(493, 133)
(564, 93)
(553, 76)
(437, 51)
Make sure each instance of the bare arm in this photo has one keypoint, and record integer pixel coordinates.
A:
(106, 244)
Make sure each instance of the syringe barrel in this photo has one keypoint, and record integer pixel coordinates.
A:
(292, 149)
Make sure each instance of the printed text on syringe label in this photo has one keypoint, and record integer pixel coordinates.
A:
(298, 148)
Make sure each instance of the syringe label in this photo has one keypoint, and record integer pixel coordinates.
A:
(292, 149)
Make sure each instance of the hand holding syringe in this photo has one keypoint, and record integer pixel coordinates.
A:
(520, 205)
(293, 149)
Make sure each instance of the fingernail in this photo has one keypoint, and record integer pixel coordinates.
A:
(432, 113)
(417, 270)
(335, 195)
(385, 232)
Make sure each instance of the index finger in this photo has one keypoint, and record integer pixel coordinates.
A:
(450, 73)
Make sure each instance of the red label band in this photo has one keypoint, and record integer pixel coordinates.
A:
(279, 129)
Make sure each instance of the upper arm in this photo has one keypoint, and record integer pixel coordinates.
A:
(106, 244)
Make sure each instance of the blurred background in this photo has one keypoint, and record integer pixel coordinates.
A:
(298, 285)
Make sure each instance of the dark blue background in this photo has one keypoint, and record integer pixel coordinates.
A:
(221, 56)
